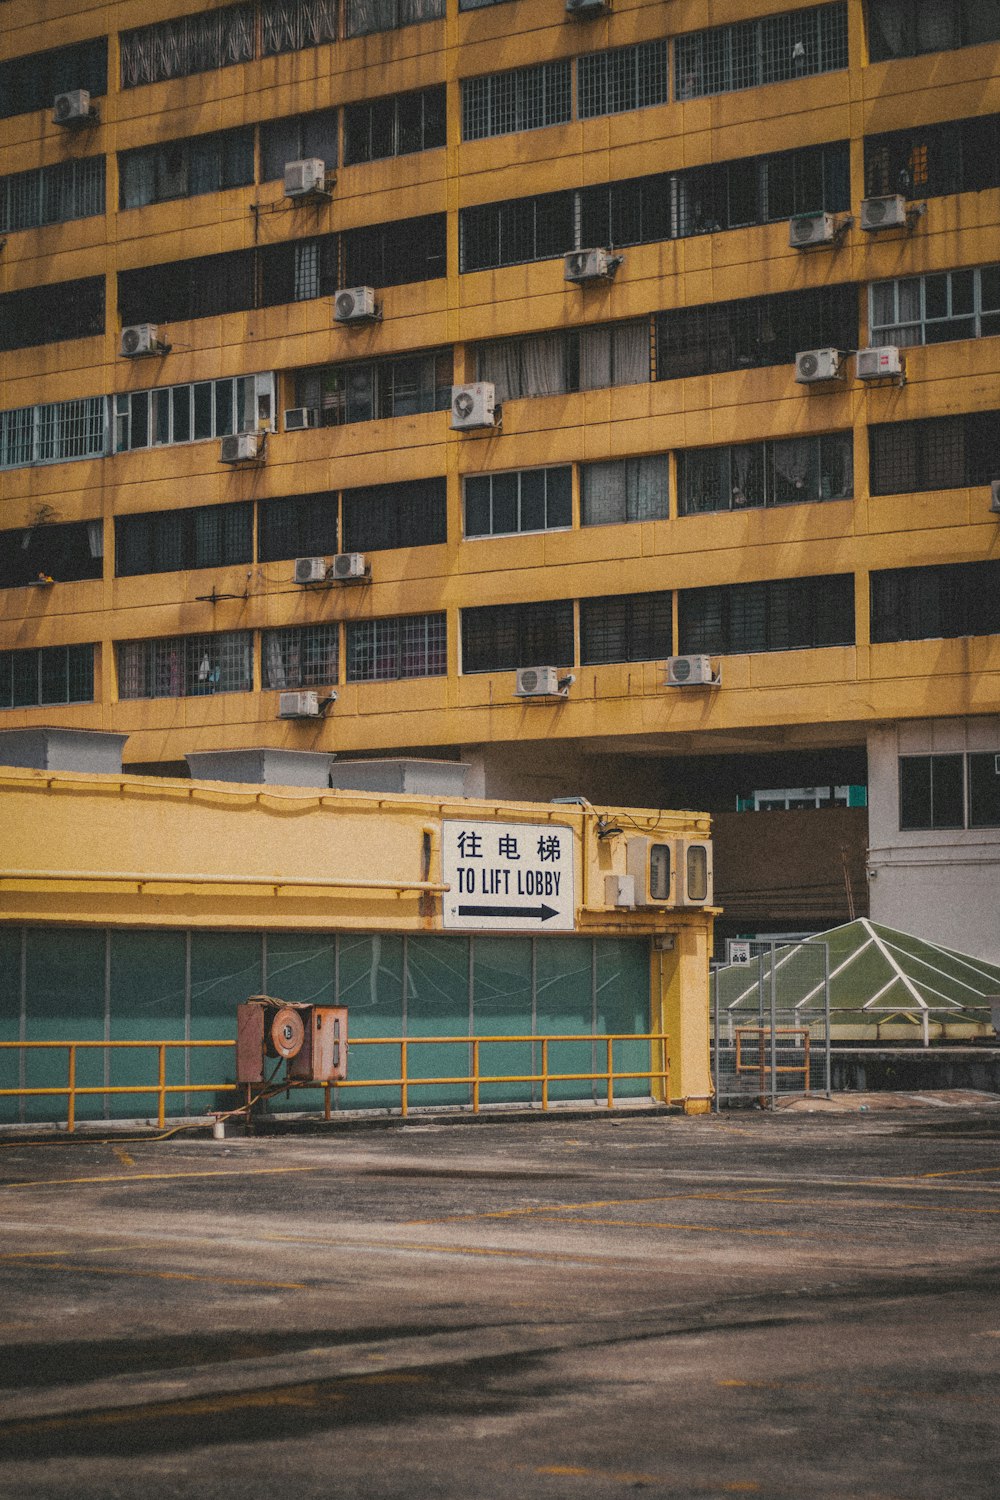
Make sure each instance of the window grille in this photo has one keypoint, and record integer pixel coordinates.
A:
(958, 156)
(783, 614)
(32, 82)
(405, 646)
(54, 433)
(295, 139)
(936, 309)
(301, 526)
(300, 656)
(51, 674)
(624, 489)
(909, 28)
(52, 195)
(67, 553)
(185, 168)
(621, 78)
(769, 50)
(942, 602)
(521, 99)
(786, 471)
(194, 412)
(185, 666)
(366, 16)
(187, 44)
(67, 310)
(393, 254)
(377, 388)
(521, 500)
(205, 536)
(290, 25)
(411, 514)
(626, 627)
(394, 126)
(754, 332)
(503, 637)
(934, 453)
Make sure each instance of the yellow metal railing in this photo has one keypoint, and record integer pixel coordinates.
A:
(475, 1080)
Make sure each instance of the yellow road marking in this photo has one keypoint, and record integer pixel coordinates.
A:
(163, 1176)
(123, 1156)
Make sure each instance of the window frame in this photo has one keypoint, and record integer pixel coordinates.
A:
(500, 476)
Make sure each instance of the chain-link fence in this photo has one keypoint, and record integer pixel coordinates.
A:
(771, 1024)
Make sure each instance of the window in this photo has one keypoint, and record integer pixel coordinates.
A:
(936, 309)
(395, 126)
(626, 627)
(520, 229)
(781, 614)
(183, 169)
(624, 489)
(523, 500)
(32, 82)
(167, 541)
(299, 138)
(551, 364)
(786, 471)
(63, 553)
(934, 453)
(622, 78)
(365, 16)
(408, 646)
(191, 413)
(218, 38)
(302, 526)
(754, 332)
(760, 189)
(908, 28)
(503, 637)
(958, 156)
(521, 99)
(52, 195)
(394, 254)
(207, 286)
(373, 389)
(931, 791)
(380, 516)
(751, 53)
(185, 666)
(984, 789)
(946, 601)
(53, 433)
(300, 656)
(51, 674)
(47, 315)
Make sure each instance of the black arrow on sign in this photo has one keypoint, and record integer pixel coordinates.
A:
(543, 913)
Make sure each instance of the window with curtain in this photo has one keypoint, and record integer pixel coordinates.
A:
(380, 516)
(52, 195)
(782, 614)
(626, 627)
(32, 82)
(300, 656)
(909, 28)
(503, 637)
(937, 308)
(957, 156)
(50, 674)
(771, 49)
(625, 489)
(389, 649)
(299, 526)
(939, 602)
(366, 16)
(297, 138)
(784, 471)
(68, 310)
(364, 391)
(754, 332)
(520, 99)
(185, 168)
(206, 536)
(185, 666)
(934, 453)
(552, 364)
(397, 125)
(519, 500)
(621, 78)
(67, 553)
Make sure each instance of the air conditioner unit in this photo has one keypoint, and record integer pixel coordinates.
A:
(995, 506)
(474, 406)
(304, 177)
(71, 108)
(311, 570)
(879, 363)
(538, 682)
(298, 417)
(298, 705)
(241, 448)
(883, 213)
(690, 671)
(810, 229)
(585, 8)
(348, 565)
(590, 265)
(141, 338)
(817, 364)
(355, 304)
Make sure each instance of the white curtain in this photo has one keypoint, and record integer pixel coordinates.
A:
(742, 458)
(791, 461)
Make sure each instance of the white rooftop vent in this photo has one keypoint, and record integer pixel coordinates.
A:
(805, 230)
(883, 213)
(303, 178)
(355, 304)
(690, 671)
(817, 364)
(880, 363)
(72, 108)
(474, 406)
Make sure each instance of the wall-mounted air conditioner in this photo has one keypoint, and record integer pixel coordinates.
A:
(348, 567)
(299, 417)
(303, 178)
(881, 363)
(474, 406)
(883, 213)
(995, 500)
(540, 682)
(303, 705)
(583, 9)
(311, 570)
(805, 230)
(817, 364)
(139, 339)
(690, 671)
(590, 265)
(73, 108)
(355, 304)
(242, 448)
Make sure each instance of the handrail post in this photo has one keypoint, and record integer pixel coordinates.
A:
(403, 1078)
(326, 1102)
(475, 1076)
(71, 1091)
(611, 1076)
(545, 1073)
(161, 1118)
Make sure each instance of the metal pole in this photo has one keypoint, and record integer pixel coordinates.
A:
(161, 1082)
(71, 1091)
(774, 1030)
(545, 1072)
(716, 1069)
(475, 1076)
(827, 1059)
(611, 1078)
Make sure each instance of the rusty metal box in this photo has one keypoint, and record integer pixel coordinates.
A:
(323, 1057)
(250, 1026)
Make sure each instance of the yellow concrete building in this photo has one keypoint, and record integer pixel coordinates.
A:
(657, 235)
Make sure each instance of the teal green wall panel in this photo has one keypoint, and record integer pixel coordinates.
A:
(148, 986)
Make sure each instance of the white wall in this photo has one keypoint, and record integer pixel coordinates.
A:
(942, 884)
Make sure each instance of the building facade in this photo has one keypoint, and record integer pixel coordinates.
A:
(691, 459)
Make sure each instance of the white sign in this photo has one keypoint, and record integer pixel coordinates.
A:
(508, 877)
(738, 950)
